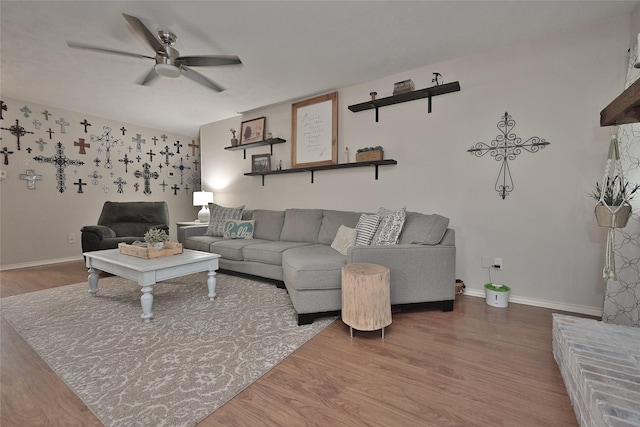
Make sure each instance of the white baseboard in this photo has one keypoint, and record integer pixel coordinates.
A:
(39, 263)
(591, 311)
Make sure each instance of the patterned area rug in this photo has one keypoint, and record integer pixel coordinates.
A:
(192, 358)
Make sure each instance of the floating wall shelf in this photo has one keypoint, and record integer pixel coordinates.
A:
(312, 169)
(407, 96)
(624, 109)
(270, 142)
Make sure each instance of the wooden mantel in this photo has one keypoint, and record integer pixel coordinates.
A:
(624, 109)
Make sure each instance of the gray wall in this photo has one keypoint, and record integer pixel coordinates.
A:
(35, 224)
(545, 231)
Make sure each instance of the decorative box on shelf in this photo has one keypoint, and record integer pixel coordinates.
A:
(170, 248)
(369, 156)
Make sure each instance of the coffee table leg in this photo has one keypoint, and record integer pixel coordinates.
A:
(146, 300)
(93, 281)
(211, 284)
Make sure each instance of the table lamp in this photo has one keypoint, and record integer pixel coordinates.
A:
(203, 198)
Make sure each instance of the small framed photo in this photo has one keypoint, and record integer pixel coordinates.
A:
(261, 163)
(252, 130)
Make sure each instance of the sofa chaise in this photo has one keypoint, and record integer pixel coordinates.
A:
(294, 248)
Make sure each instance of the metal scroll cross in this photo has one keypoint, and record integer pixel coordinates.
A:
(60, 161)
(146, 175)
(507, 146)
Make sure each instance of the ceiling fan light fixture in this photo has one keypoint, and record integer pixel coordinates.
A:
(167, 70)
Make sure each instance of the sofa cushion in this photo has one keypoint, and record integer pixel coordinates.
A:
(345, 238)
(218, 215)
(301, 225)
(366, 228)
(269, 252)
(313, 267)
(238, 229)
(331, 222)
(268, 224)
(200, 243)
(390, 226)
(233, 249)
(423, 229)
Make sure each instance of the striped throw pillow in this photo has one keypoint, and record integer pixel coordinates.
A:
(366, 228)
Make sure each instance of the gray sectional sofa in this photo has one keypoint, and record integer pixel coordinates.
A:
(293, 247)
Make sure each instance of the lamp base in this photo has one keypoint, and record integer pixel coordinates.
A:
(204, 215)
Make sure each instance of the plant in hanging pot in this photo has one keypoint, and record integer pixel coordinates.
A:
(156, 238)
(613, 208)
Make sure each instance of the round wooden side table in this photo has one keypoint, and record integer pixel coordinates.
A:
(366, 297)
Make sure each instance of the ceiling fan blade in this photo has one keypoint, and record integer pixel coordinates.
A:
(199, 78)
(144, 32)
(76, 45)
(149, 77)
(209, 60)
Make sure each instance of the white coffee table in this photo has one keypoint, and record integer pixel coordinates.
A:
(147, 272)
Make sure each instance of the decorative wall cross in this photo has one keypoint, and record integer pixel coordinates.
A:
(126, 162)
(63, 123)
(146, 174)
(80, 143)
(193, 146)
(166, 153)
(507, 146)
(31, 177)
(177, 145)
(95, 176)
(6, 153)
(120, 183)
(60, 161)
(17, 131)
(37, 123)
(139, 140)
(85, 123)
(26, 111)
(181, 168)
(46, 114)
(80, 184)
(108, 141)
(3, 107)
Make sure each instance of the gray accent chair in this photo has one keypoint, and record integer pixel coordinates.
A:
(124, 222)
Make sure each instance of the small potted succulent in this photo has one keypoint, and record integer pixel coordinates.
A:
(613, 208)
(156, 238)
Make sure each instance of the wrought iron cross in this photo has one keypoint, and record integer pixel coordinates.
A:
(505, 147)
(60, 161)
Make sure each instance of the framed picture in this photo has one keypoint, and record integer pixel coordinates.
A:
(314, 131)
(260, 162)
(252, 130)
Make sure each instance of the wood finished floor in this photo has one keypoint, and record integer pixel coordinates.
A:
(475, 366)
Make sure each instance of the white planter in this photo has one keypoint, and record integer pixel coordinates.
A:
(497, 295)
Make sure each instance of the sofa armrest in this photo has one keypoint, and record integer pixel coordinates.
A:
(102, 231)
(190, 231)
(419, 273)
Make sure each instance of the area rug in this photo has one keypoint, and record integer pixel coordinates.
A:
(192, 358)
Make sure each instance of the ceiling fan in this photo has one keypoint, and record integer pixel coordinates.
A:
(169, 63)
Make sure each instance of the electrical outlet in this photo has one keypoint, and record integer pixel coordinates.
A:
(171, 173)
(72, 238)
(497, 263)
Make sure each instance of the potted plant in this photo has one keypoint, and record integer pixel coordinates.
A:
(613, 208)
(156, 238)
(369, 154)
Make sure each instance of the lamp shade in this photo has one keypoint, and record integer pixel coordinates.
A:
(202, 198)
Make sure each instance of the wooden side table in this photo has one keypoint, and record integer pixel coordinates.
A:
(366, 297)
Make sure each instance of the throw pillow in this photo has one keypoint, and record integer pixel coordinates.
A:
(345, 238)
(238, 229)
(366, 228)
(390, 226)
(219, 214)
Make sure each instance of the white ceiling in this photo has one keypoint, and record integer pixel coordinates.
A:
(289, 49)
